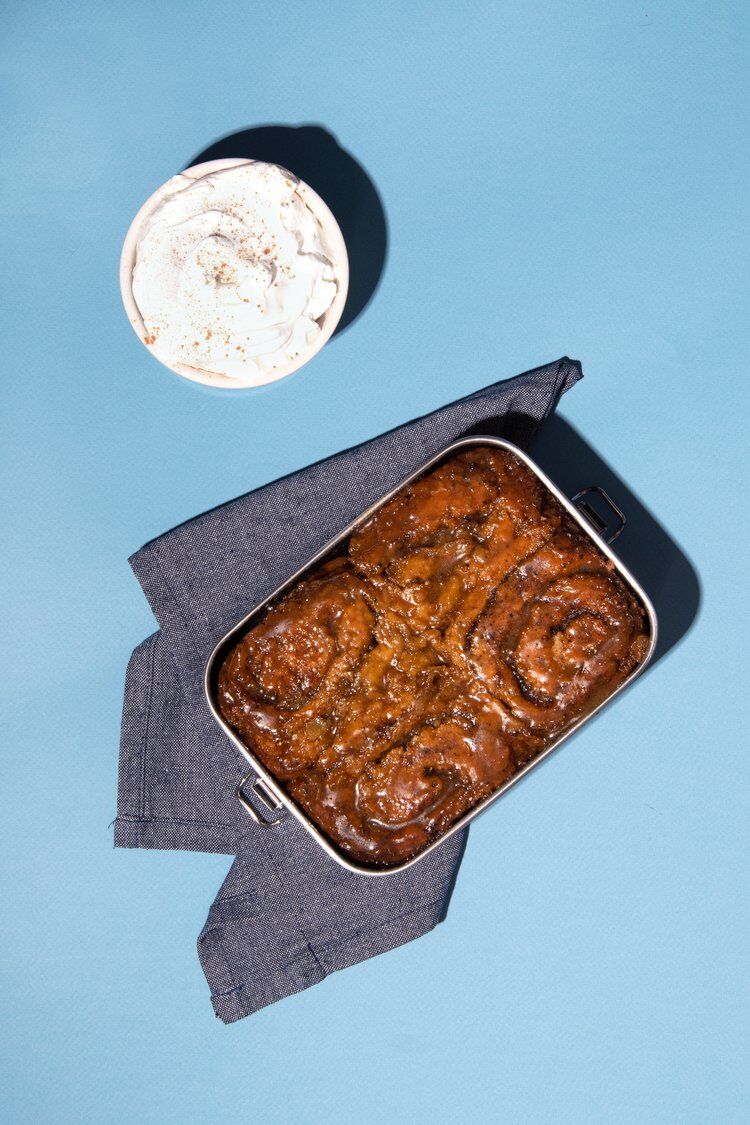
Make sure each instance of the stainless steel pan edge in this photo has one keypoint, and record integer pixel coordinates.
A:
(262, 773)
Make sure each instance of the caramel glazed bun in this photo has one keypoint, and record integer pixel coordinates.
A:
(469, 623)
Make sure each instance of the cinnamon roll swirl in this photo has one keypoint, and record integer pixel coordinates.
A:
(558, 635)
(279, 686)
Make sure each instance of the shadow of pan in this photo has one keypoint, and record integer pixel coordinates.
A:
(645, 546)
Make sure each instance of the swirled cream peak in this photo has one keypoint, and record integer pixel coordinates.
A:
(232, 272)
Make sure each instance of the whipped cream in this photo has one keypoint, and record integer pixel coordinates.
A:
(232, 272)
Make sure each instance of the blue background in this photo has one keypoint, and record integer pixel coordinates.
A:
(558, 178)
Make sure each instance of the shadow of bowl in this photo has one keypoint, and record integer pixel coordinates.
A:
(315, 156)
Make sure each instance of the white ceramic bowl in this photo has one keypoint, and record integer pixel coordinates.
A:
(334, 240)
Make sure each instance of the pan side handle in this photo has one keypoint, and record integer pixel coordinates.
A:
(267, 801)
(600, 511)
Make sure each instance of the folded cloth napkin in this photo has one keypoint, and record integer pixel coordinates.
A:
(287, 914)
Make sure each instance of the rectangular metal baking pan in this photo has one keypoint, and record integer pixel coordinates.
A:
(273, 803)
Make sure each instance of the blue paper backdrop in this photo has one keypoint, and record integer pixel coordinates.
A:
(557, 178)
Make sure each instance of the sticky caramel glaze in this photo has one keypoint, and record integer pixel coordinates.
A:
(469, 623)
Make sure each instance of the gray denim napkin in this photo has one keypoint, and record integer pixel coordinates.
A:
(287, 914)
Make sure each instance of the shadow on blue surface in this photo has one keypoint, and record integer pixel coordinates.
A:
(315, 156)
(660, 565)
